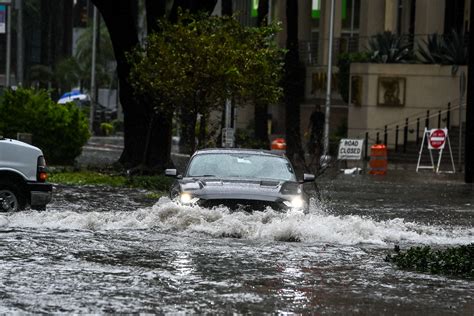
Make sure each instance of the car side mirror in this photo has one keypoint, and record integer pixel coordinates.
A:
(308, 177)
(171, 173)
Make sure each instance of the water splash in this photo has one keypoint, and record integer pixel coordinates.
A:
(318, 226)
(3, 221)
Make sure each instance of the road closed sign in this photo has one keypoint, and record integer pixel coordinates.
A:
(350, 149)
(437, 138)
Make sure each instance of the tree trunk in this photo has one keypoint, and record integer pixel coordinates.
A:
(294, 83)
(118, 17)
(142, 125)
(154, 11)
(469, 138)
(187, 141)
(202, 131)
(261, 109)
(158, 153)
(227, 8)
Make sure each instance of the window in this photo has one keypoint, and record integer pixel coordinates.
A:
(241, 165)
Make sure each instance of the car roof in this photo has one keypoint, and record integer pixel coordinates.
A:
(238, 151)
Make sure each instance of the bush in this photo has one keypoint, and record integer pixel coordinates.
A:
(245, 138)
(118, 125)
(444, 50)
(59, 130)
(457, 261)
(390, 48)
(106, 128)
(156, 183)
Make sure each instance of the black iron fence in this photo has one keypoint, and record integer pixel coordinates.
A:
(400, 132)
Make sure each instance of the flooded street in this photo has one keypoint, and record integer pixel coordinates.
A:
(99, 250)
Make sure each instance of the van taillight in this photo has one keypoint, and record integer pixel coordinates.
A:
(41, 174)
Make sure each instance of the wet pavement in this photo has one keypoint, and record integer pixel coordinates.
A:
(101, 250)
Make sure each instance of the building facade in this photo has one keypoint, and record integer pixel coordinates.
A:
(355, 22)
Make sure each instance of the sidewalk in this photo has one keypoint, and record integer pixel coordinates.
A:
(103, 151)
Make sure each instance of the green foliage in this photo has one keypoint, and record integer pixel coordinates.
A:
(41, 74)
(87, 178)
(458, 261)
(106, 128)
(344, 64)
(245, 138)
(194, 65)
(76, 71)
(117, 125)
(158, 183)
(59, 130)
(389, 48)
(444, 50)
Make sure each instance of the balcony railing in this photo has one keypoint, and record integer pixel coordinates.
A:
(309, 50)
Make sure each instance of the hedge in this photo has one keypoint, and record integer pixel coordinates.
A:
(60, 130)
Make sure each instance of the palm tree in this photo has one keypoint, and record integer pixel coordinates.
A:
(76, 71)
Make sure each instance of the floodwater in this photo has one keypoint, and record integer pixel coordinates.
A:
(102, 250)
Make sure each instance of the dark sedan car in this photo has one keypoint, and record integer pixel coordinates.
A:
(240, 179)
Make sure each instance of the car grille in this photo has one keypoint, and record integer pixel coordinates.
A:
(243, 205)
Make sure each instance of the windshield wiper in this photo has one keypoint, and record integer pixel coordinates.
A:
(205, 176)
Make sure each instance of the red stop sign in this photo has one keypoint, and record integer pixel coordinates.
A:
(437, 138)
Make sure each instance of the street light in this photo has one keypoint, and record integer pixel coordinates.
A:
(325, 158)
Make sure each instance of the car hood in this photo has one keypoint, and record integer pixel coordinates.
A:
(264, 190)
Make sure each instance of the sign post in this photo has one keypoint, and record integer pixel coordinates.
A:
(436, 140)
(228, 137)
(350, 149)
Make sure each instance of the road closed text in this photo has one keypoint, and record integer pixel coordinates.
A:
(350, 149)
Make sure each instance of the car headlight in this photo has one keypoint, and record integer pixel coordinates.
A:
(296, 202)
(186, 198)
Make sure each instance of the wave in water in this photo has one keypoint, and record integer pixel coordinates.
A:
(318, 226)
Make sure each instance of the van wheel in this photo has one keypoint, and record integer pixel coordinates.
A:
(10, 199)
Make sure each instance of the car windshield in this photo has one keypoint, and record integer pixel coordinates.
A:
(249, 166)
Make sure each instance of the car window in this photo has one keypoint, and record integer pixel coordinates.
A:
(249, 166)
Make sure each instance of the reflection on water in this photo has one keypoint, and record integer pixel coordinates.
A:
(84, 255)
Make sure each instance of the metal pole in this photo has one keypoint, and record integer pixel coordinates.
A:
(405, 136)
(19, 43)
(448, 117)
(462, 90)
(417, 131)
(352, 18)
(396, 138)
(228, 113)
(269, 11)
(228, 122)
(9, 46)
(366, 145)
(328, 87)
(92, 90)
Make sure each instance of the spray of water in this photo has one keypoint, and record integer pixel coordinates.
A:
(317, 226)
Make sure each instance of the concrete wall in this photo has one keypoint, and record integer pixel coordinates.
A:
(428, 87)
